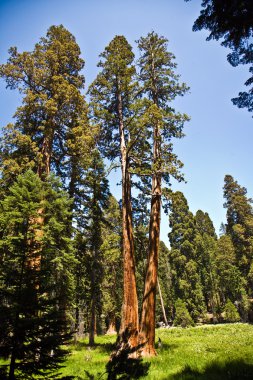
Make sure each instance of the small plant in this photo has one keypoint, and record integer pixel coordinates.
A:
(182, 317)
(231, 313)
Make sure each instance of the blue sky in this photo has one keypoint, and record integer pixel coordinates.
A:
(219, 136)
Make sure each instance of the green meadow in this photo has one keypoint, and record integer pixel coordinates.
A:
(209, 352)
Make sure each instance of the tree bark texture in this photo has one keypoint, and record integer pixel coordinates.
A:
(129, 320)
(147, 330)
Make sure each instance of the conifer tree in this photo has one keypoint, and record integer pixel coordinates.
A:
(113, 98)
(240, 227)
(160, 86)
(231, 283)
(97, 195)
(183, 256)
(51, 131)
(231, 22)
(53, 114)
(206, 248)
(34, 303)
(112, 265)
(165, 281)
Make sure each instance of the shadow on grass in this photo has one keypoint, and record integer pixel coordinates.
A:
(229, 370)
(166, 347)
(102, 347)
(125, 362)
(4, 375)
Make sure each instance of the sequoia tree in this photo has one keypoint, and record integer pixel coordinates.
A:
(113, 99)
(52, 109)
(160, 85)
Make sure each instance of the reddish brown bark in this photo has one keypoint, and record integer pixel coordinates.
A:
(147, 330)
(43, 171)
(46, 153)
(129, 319)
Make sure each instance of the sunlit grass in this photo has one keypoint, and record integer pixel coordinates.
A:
(199, 353)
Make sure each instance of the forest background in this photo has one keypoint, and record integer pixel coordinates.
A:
(218, 136)
(52, 267)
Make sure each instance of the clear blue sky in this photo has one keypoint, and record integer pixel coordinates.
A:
(219, 136)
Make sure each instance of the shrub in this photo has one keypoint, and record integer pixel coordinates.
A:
(231, 313)
(182, 317)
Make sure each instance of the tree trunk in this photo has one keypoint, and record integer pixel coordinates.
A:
(162, 304)
(92, 330)
(129, 321)
(147, 330)
(112, 325)
(46, 152)
(12, 366)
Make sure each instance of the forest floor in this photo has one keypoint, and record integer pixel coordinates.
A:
(209, 352)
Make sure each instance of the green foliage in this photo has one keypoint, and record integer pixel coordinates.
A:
(36, 276)
(231, 21)
(89, 249)
(112, 283)
(115, 84)
(240, 226)
(182, 317)
(231, 313)
(231, 282)
(183, 256)
(165, 281)
(160, 86)
(51, 125)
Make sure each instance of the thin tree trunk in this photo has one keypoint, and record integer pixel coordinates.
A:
(162, 303)
(129, 321)
(92, 329)
(147, 330)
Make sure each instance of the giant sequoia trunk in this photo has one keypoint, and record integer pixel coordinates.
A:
(46, 154)
(147, 330)
(129, 319)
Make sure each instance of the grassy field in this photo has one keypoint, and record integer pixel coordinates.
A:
(208, 352)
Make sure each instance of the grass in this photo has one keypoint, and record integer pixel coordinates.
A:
(220, 352)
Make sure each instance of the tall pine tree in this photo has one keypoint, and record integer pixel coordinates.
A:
(113, 98)
(240, 227)
(160, 85)
(183, 256)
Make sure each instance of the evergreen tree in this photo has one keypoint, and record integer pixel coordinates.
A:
(160, 86)
(182, 316)
(34, 301)
(231, 283)
(231, 313)
(97, 194)
(112, 284)
(231, 21)
(51, 131)
(165, 281)
(52, 119)
(240, 227)
(183, 256)
(113, 98)
(206, 248)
